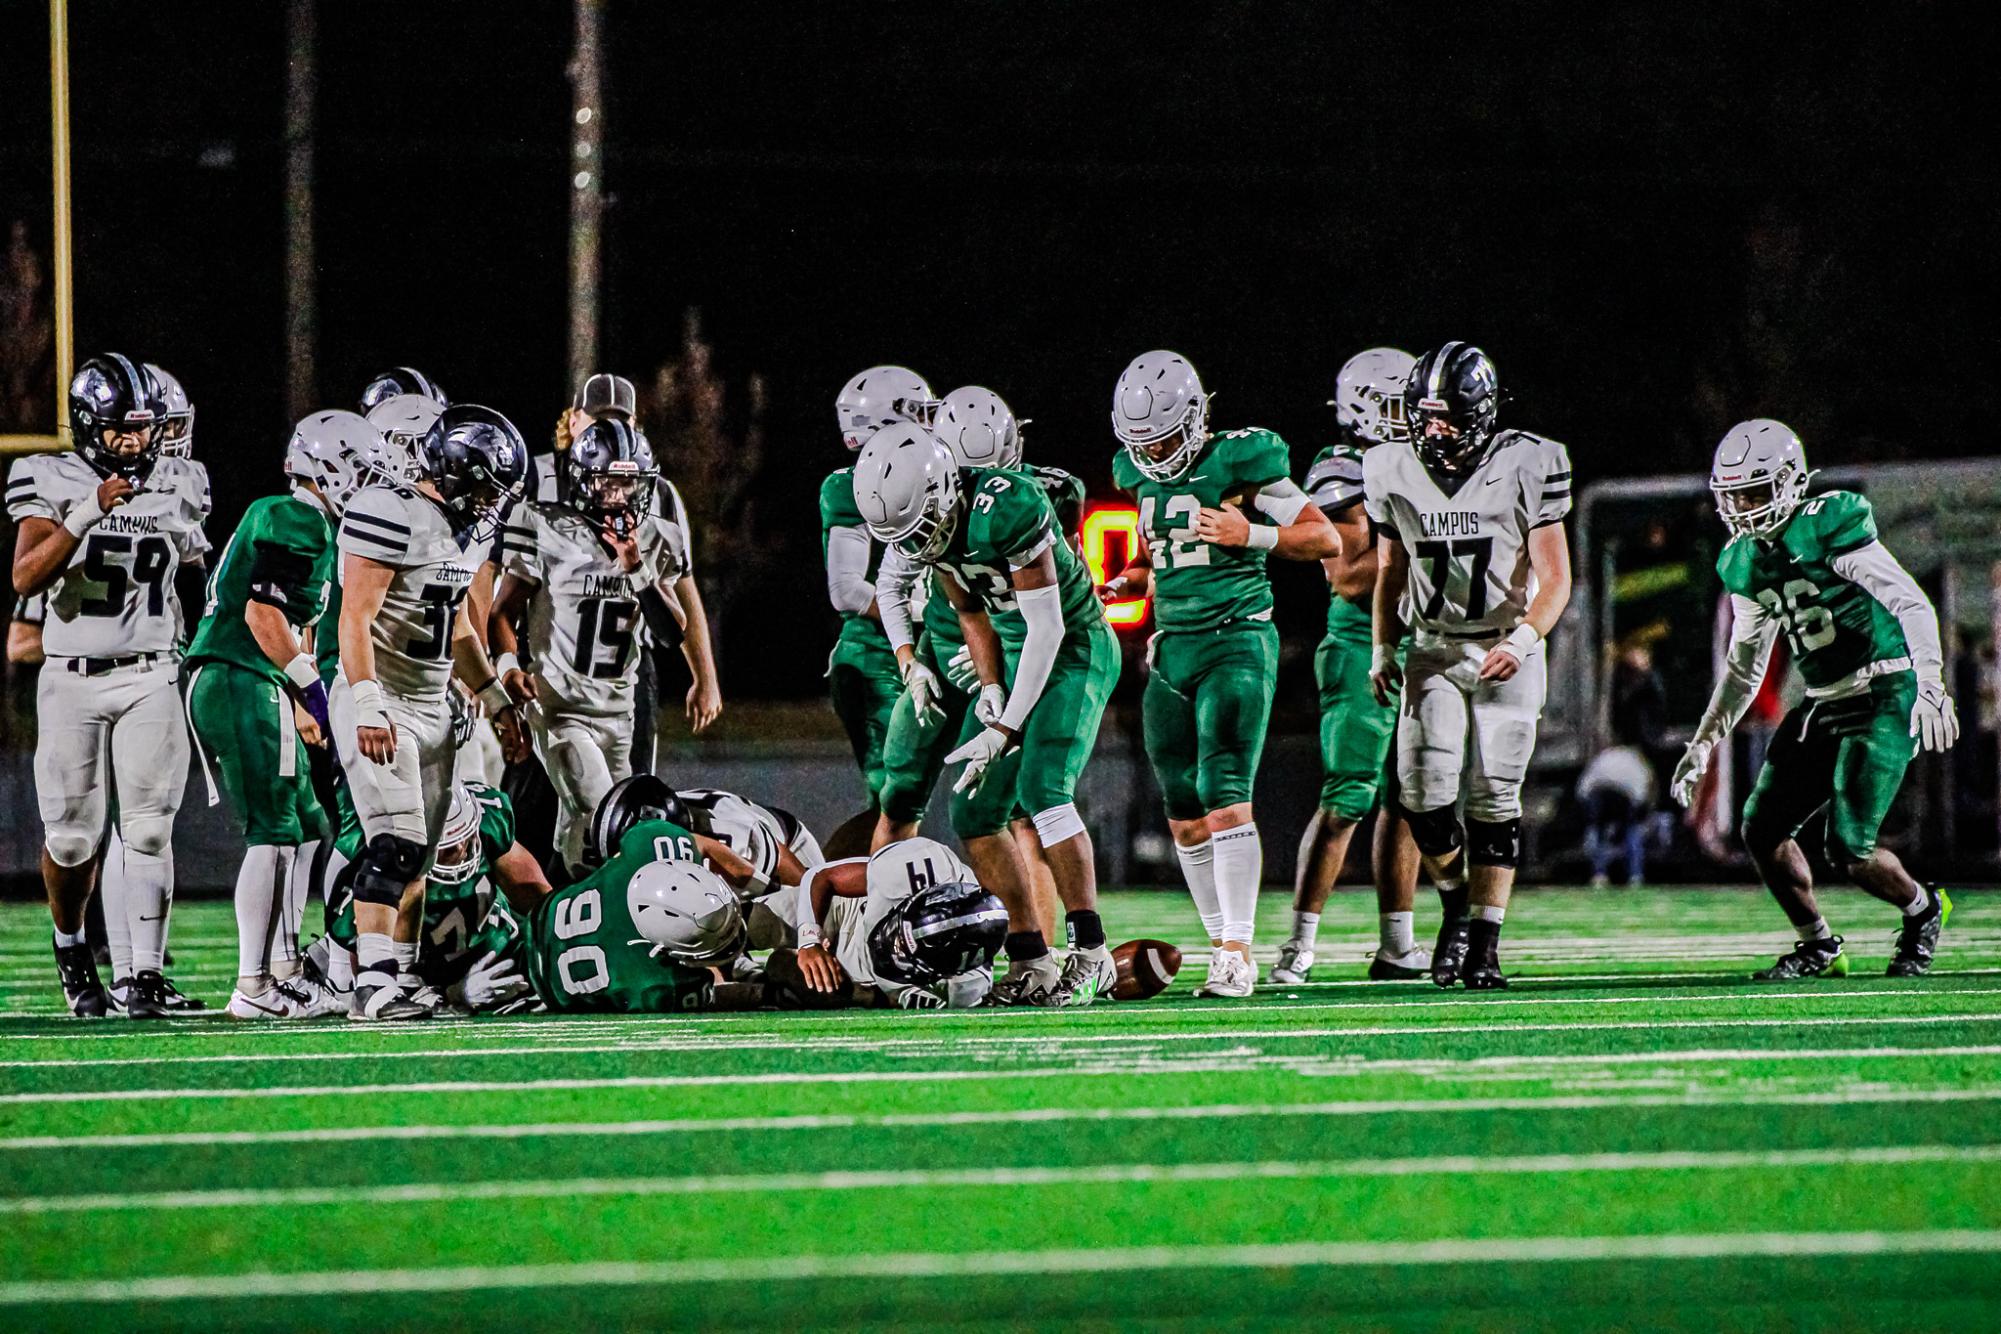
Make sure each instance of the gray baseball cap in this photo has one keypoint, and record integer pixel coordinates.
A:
(602, 393)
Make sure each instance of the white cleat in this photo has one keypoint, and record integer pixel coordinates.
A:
(1294, 963)
(277, 1001)
(1231, 975)
(1412, 963)
(432, 1000)
(316, 998)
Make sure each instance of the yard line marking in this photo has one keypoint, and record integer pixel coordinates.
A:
(754, 1183)
(944, 1044)
(963, 1264)
(1237, 1063)
(1015, 1116)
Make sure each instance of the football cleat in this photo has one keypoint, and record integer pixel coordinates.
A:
(1295, 962)
(1087, 975)
(84, 994)
(176, 1000)
(1809, 958)
(146, 996)
(1918, 939)
(1231, 976)
(1483, 976)
(1448, 956)
(430, 999)
(276, 1001)
(384, 1005)
(1412, 963)
(315, 999)
(1031, 983)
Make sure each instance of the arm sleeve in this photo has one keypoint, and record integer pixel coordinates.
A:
(1281, 501)
(848, 587)
(1879, 574)
(894, 579)
(1042, 610)
(1751, 636)
(1553, 488)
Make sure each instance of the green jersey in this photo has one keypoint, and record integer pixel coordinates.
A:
(1008, 522)
(1832, 625)
(1066, 497)
(585, 953)
(282, 555)
(1198, 585)
(1334, 484)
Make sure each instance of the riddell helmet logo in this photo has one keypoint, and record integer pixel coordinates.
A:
(1434, 405)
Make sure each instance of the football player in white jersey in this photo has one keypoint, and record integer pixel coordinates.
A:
(910, 923)
(577, 576)
(1472, 554)
(408, 554)
(103, 531)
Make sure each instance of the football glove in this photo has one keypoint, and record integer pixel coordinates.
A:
(959, 670)
(978, 753)
(917, 998)
(1934, 721)
(922, 684)
(991, 704)
(491, 981)
(1688, 774)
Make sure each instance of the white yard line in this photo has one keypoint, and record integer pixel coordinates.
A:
(1014, 1116)
(1230, 1063)
(291, 1197)
(949, 1043)
(967, 1264)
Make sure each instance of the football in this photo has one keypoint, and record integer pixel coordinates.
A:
(1145, 968)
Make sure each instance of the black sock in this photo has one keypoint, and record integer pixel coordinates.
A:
(1087, 929)
(1026, 946)
(1453, 901)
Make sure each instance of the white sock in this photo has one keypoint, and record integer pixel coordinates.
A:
(375, 960)
(111, 896)
(1487, 912)
(281, 950)
(406, 958)
(1198, 868)
(260, 889)
(1918, 906)
(1305, 929)
(1816, 930)
(1240, 865)
(299, 889)
(1394, 933)
(149, 898)
(340, 967)
(66, 939)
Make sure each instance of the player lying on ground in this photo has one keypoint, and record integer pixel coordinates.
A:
(1866, 640)
(1471, 540)
(906, 928)
(1213, 660)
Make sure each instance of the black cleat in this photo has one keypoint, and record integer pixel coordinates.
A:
(85, 994)
(1809, 958)
(1918, 939)
(146, 996)
(178, 1001)
(1483, 977)
(1448, 956)
(1481, 970)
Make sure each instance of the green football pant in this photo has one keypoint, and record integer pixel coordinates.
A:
(913, 752)
(250, 747)
(863, 683)
(1056, 743)
(1355, 731)
(1847, 755)
(1206, 706)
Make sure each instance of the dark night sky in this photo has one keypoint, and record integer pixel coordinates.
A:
(1658, 222)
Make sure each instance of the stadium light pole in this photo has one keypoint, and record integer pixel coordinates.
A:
(64, 330)
(586, 185)
(301, 290)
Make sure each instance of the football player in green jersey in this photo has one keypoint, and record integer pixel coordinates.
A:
(1214, 653)
(1046, 661)
(256, 701)
(1866, 640)
(862, 677)
(1355, 730)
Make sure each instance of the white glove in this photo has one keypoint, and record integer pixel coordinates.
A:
(991, 704)
(491, 981)
(925, 692)
(959, 670)
(978, 753)
(1688, 774)
(1934, 721)
(917, 998)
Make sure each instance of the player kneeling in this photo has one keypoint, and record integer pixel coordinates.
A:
(908, 928)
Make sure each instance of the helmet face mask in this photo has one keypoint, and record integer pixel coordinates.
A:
(687, 912)
(339, 452)
(939, 932)
(1759, 477)
(1160, 413)
(1368, 397)
(404, 421)
(116, 414)
(458, 857)
(1451, 403)
(608, 475)
(906, 485)
(478, 464)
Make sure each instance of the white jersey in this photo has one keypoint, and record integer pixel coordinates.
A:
(753, 832)
(116, 598)
(1468, 548)
(408, 531)
(584, 614)
(894, 874)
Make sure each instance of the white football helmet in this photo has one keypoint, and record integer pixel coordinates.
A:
(1368, 396)
(404, 421)
(1161, 414)
(687, 911)
(976, 425)
(177, 430)
(907, 488)
(341, 453)
(458, 858)
(1759, 477)
(881, 396)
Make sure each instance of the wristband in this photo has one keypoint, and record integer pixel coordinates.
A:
(505, 663)
(1262, 535)
(810, 936)
(495, 697)
(84, 517)
(1522, 641)
(368, 710)
(301, 672)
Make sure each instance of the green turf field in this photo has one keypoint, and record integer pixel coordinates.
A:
(1635, 1136)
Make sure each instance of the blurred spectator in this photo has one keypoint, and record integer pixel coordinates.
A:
(1617, 791)
(1639, 699)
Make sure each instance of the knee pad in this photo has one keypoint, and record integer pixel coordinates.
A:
(385, 868)
(147, 835)
(70, 849)
(1494, 842)
(1058, 823)
(1436, 833)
